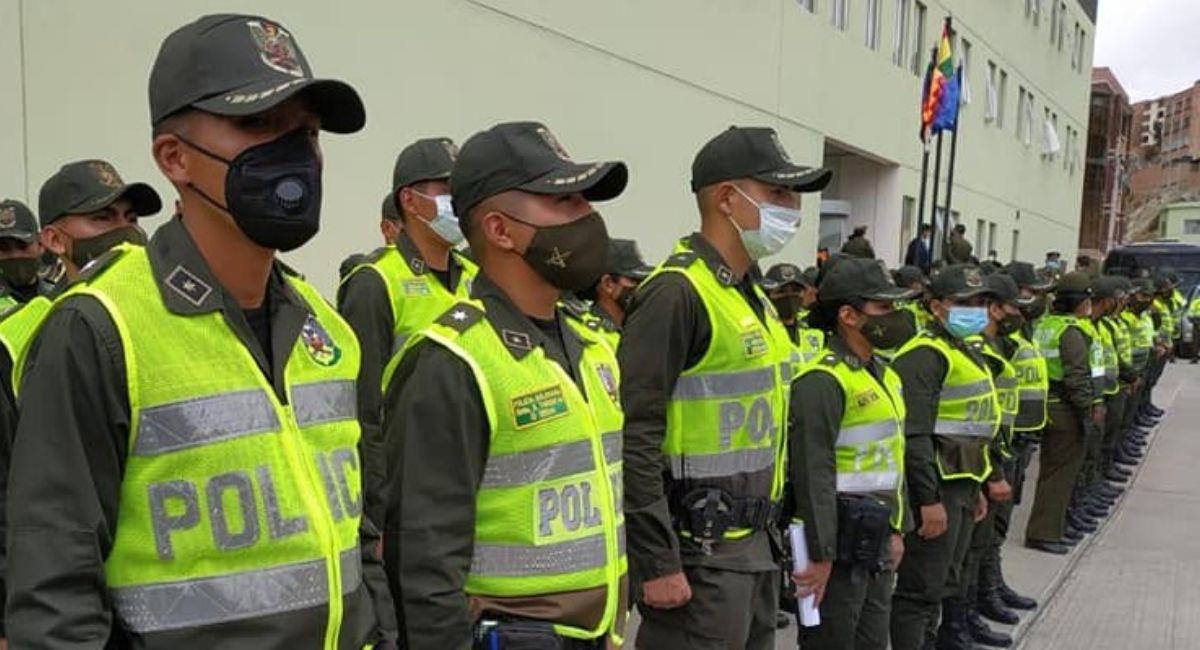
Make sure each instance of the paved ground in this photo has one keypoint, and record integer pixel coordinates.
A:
(1136, 583)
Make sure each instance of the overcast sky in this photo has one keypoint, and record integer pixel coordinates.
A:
(1151, 45)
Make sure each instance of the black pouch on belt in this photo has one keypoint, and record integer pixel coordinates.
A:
(518, 635)
(864, 531)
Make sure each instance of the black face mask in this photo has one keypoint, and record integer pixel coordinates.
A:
(1009, 324)
(1036, 310)
(273, 190)
(890, 331)
(21, 271)
(83, 251)
(570, 256)
(625, 299)
(788, 307)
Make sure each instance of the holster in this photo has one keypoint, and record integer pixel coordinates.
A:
(864, 532)
(524, 635)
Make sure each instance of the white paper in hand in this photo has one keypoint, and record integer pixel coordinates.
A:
(810, 616)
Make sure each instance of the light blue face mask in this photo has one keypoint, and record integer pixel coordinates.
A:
(445, 223)
(966, 321)
(776, 227)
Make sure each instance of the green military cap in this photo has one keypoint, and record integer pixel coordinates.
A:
(1027, 277)
(1108, 286)
(784, 274)
(1075, 282)
(624, 259)
(526, 156)
(88, 186)
(17, 222)
(389, 210)
(233, 64)
(958, 281)
(428, 159)
(753, 152)
(1006, 290)
(908, 275)
(859, 278)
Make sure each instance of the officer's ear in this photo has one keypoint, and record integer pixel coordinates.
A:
(54, 240)
(849, 317)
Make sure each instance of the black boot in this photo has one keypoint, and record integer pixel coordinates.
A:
(1010, 597)
(1154, 410)
(990, 606)
(953, 633)
(983, 634)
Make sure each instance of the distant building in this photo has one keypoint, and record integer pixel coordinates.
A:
(1180, 221)
(1164, 161)
(1105, 180)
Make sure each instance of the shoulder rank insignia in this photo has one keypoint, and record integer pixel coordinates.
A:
(460, 317)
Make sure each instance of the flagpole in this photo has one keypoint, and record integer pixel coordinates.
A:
(937, 172)
(921, 201)
(950, 173)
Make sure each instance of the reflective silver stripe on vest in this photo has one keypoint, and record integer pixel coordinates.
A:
(727, 463)
(613, 446)
(221, 599)
(1005, 383)
(724, 384)
(964, 428)
(864, 433)
(868, 481)
(496, 560)
(1024, 353)
(203, 421)
(621, 539)
(965, 391)
(535, 466)
(1032, 394)
(326, 401)
(1006, 418)
(1050, 354)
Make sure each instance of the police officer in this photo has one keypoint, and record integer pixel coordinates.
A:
(1108, 298)
(846, 453)
(1146, 351)
(706, 365)
(503, 422)
(953, 414)
(201, 390)
(1063, 339)
(793, 293)
(609, 298)
(403, 286)
(390, 225)
(21, 264)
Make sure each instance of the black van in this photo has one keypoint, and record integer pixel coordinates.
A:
(1183, 259)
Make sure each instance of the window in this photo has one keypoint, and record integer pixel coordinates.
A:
(919, 54)
(1062, 25)
(1050, 142)
(900, 50)
(965, 60)
(908, 214)
(1076, 49)
(872, 40)
(1023, 118)
(1053, 20)
(810, 5)
(1033, 10)
(992, 239)
(1191, 226)
(1080, 51)
(841, 13)
(1002, 99)
(980, 243)
(992, 111)
(1016, 241)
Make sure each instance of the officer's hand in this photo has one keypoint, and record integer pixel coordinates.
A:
(897, 550)
(981, 507)
(667, 592)
(933, 521)
(1098, 414)
(812, 581)
(999, 491)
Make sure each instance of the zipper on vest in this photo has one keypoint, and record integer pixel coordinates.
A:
(323, 525)
(613, 588)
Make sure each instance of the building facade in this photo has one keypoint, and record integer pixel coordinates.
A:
(646, 82)
(1164, 162)
(1105, 181)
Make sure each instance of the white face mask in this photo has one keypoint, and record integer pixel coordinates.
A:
(777, 225)
(445, 223)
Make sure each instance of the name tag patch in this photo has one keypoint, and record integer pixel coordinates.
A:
(541, 406)
(415, 288)
(754, 344)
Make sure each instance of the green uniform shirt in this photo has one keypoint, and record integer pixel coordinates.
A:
(68, 464)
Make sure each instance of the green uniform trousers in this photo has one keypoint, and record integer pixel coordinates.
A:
(1093, 442)
(1114, 427)
(855, 612)
(932, 569)
(1000, 515)
(728, 609)
(1061, 457)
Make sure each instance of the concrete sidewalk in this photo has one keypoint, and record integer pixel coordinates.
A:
(1136, 582)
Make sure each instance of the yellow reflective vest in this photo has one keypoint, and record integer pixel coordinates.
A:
(548, 514)
(235, 505)
(17, 328)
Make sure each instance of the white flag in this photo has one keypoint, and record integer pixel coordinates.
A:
(1050, 143)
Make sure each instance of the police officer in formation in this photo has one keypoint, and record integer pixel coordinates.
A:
(451, 460)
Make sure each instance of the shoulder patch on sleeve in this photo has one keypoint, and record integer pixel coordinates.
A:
(682, 259)
(460, 317)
